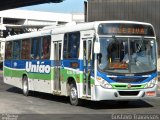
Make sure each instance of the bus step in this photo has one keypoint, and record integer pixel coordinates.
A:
(56, 92)
(86, 97)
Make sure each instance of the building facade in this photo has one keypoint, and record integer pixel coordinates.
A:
(133, 10)
(17, 21)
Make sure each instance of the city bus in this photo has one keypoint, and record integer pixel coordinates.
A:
(102, 60)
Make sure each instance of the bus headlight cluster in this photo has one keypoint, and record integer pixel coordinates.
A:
(151, 83)
(104, 83)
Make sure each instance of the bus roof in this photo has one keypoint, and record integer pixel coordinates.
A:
(68, 28)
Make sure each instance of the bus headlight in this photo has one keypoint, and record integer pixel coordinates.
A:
(104, 83)
(151, 83)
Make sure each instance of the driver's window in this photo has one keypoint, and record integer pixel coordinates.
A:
(116, 51)
(118, 55)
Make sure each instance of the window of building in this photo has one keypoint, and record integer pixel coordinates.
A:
(71, 45)
(8, 50)
(26, 49)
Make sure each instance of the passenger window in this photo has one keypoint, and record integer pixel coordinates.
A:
(16, 49)
(46, 44)
(26, 49)
(71, 45)
(36, 48)
(8, 50)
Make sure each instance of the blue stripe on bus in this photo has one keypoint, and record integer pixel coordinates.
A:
(104, 76)
(21, 64)
(68, 63)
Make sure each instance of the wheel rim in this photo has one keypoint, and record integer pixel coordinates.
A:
(25, 85)
(73, 93)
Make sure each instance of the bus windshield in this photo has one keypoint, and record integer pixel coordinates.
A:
(127, 55)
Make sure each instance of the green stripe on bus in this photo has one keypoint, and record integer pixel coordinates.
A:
(64, 75)
(19, 73)
(125, 86)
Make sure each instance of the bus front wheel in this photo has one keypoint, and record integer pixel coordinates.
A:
(74, 95)
(25, 86)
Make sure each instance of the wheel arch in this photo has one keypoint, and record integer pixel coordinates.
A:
(70, 81)
(24, 74)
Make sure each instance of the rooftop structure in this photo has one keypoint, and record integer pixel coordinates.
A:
(21, 21)
(10, 4)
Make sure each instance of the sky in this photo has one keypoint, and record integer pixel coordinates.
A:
(68, 6)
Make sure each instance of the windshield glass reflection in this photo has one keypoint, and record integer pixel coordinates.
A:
(127, 55)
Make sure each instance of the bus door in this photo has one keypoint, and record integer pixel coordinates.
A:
(87, 45)
(57, 64)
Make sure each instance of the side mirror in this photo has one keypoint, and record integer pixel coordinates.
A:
(97, 47)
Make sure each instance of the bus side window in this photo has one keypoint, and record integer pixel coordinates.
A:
(36, 48)
(16, 49)
(46, 44)
(65, 47)
(26, 49)
(71, 45)
(8, 49)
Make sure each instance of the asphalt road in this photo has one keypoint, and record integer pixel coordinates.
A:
(45, 106)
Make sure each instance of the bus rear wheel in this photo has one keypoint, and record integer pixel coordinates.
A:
(25, 86)
(74, 100)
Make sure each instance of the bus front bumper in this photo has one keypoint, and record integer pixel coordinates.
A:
(114, 94)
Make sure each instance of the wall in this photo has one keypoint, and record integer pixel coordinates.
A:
(134, 10)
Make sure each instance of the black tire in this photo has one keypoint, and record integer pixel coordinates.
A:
(25, 88)
(73, 95)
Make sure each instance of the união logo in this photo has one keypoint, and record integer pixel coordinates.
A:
(37, 68)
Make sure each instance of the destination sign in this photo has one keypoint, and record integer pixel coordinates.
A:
(125, 29)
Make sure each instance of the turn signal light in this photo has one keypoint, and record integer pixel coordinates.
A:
(151, 93)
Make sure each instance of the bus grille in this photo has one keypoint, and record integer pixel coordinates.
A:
(128, 93)
(128, 80)
(126, 86)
